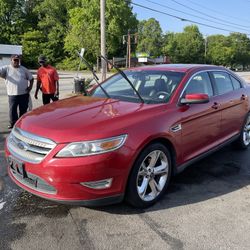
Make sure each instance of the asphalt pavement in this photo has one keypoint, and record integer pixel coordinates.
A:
(206, 207)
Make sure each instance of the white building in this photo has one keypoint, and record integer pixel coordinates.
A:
(6, 51)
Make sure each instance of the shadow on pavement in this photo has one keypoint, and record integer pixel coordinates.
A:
(223, 172)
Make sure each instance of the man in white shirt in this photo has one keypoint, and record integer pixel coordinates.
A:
(19, 82)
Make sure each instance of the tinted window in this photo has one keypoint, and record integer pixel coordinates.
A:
(200, 83)
(236, 83)
(223, 82)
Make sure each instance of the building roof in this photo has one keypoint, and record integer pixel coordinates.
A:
(6, 49)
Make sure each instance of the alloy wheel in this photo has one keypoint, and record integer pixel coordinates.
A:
(246, 132)
(152, 175)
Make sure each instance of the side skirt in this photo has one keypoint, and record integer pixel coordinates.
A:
(180, 168)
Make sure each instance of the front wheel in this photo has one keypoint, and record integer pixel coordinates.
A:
(244, 140)
(150, 176)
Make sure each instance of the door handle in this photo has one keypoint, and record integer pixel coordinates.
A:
(215, 105)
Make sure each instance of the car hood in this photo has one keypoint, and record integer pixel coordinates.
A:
(81, 118)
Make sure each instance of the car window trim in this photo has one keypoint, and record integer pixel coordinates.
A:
(230, 75)
(237, 81)
(213, 84)
(190, 78)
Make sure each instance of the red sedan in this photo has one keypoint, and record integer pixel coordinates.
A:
(130, 135)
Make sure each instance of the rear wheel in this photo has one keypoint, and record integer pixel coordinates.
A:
(150, 176)
(244, 140)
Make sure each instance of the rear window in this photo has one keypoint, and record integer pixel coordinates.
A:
(236, 83)
(223, 82)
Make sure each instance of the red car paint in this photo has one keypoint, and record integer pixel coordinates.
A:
(203, 127)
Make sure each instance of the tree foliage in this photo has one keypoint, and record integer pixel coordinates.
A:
(16, 16)
(240, 45)
(33, 43)
(150, 37)
(53, 21)
(84, 31)
(57, 28)
(219, 51)
(185, 47)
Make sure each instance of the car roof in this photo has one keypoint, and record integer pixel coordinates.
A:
(177, 67)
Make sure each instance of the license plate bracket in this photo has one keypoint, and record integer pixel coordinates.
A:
(17, 166)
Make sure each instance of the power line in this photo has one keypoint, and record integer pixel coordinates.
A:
(205, 7)
(183, 19)
(201, 12)
(202, 18)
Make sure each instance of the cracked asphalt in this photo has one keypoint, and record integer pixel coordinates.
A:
(206, 207)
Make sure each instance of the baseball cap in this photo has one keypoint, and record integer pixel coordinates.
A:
(15, 56)
(42, 58)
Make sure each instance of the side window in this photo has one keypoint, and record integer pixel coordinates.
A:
(236, 83)
(223, 82)
(200, 83)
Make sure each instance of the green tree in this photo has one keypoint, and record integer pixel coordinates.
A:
(150, 37)
(84, 26)
(53, 23)
(16, 16)
(219, 51)
(185, 47)
(240, 45)
(33, 46)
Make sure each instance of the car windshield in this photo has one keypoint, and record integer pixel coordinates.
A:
(152, 86)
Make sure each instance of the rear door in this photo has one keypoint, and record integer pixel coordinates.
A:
(232, 103)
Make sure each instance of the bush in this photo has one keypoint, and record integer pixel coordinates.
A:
(70, 64)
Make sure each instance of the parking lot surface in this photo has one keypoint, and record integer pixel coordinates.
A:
(206, 207)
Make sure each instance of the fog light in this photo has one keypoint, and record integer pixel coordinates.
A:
(98, 184)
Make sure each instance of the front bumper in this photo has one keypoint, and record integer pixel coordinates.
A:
(59, 179)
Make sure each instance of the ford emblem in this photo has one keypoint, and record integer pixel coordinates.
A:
(23, 145)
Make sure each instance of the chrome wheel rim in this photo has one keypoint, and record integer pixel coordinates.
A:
(246, 132)
(152, 175)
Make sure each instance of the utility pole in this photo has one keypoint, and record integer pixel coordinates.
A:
(126, 52)
(127, 39)
(205, 52)
(129, 49)
(103, 40)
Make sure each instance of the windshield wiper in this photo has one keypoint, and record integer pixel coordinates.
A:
(94, 74)
(124, 76)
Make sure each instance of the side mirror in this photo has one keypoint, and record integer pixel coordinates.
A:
(195, 98)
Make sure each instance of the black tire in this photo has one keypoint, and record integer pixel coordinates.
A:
(243, 141)
(154, 174)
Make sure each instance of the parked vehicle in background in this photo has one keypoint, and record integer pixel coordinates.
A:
(127, 141)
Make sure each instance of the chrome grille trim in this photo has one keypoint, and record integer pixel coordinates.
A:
(32, 139)
(29, 147)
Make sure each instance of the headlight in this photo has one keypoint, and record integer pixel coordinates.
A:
(84, 148)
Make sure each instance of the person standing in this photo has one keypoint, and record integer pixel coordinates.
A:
(19, 82)
(47, 81)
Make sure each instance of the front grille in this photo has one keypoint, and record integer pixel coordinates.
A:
(28, 147)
